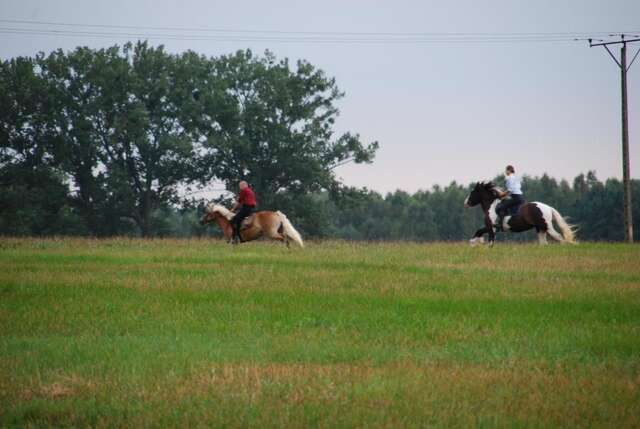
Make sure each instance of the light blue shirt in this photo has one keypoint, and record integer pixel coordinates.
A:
(513, 185)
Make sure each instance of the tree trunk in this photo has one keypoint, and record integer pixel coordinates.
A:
(145, 214)
(87, 207)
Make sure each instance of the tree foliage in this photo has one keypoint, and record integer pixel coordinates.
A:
(437, 214)
(128, 128)
(273, 126)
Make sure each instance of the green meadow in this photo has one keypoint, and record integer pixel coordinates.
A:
(198, 333)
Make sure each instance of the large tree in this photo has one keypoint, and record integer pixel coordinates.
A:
(273, 125)
(73, 82)
(33, 189)
(119, 115)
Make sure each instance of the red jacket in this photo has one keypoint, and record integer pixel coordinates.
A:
(247, 197)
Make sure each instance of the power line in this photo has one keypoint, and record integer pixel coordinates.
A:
(271, 39)
(333, 33)
(27, 31)
(278, 36)
(292, 39)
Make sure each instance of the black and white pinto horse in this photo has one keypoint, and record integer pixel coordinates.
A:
(530, 215)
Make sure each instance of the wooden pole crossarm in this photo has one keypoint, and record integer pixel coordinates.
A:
(617, 42)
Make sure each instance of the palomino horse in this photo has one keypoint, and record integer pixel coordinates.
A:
(274, 225)
(530, 215)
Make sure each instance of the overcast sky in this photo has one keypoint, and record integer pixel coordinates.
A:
(441, 111)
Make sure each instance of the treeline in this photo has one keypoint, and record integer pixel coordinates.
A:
(594, 206)
(111, 142)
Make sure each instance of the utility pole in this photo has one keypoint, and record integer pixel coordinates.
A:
(626, 175)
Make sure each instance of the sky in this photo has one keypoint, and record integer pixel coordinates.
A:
(440, 111)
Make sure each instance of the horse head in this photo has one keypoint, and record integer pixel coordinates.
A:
(213, 211)
(208, 216)
(482, 193)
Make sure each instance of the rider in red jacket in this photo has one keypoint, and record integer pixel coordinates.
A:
(245, 205)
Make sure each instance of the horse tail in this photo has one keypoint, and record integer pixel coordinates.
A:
(288, 230)
(567, 230)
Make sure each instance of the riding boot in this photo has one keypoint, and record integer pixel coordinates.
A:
(235, 239)
(498, 224)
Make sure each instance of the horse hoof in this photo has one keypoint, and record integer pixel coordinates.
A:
(476, 241)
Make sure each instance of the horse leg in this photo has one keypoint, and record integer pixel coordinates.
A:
(478, 236)
(547, 217)
(274, 232)
(555, 234)
(542, 237)
(480, 232)
(279, 237)
(489, 227)
(275, 235)
(542, 234)
(284, 239)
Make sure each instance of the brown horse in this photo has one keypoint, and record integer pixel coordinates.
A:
(274, 225)
(530, 215)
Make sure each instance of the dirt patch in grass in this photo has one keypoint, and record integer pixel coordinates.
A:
(402, 392)
(63, 387)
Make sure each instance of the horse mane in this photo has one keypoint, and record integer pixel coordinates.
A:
(217, 208)
(489, 185)
(495, 187)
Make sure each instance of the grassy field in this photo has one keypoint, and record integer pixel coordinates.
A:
(197, 333)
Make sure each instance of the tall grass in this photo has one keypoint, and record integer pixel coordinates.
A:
(194, 332)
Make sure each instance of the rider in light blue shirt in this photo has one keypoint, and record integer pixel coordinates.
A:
(514, 191)
(513, 184)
